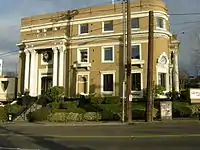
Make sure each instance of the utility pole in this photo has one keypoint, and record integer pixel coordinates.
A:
(124, 58)
(150, 105)
(68, 16)
(129, 54)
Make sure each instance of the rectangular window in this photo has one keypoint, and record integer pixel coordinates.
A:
(136, 82)
(83, 55)
(160, 22)
(108, 82)
(135, 23)
(162, 79)
(108, 26)
(83, 28)
(108, 54)
(135, 52)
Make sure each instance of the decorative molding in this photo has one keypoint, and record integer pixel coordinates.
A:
(94, 19)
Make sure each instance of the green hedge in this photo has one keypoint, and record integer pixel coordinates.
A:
(105, 100)
(41, 114)
(71, 116)
(185, 109)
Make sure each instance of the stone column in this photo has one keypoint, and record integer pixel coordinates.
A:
(176, 72)
(55, 66)
(61, 66)
(33, 75)
(27, 70)
(21, 72)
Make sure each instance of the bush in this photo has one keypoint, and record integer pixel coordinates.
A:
(65, 117)
(181, 109)
(96, 100)
(58, 117)
(110, 112)
(3, 114)
(92, 116)
(139, 111)
(14, 109)
(41, 114)
(112, 100)
(43, 100)
(195, 110)
(56, 94)
(54, 105)
(69, 105)
(185, 96)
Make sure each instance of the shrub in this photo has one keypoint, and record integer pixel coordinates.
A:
(55, 94)
(195, 110)
(69, 105)
(54, 105)
(96, 100)
(92, 116)
(140, 113)
(91, 108)
(112, 100)
(41, 114)
(181, 109)
(13, 108)
(3, 115)
(110, 112)
(185, 96)
(43, 100)
(76, 110)
(74, 117)
(58, 117)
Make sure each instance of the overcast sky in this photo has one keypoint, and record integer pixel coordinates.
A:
(11, 11)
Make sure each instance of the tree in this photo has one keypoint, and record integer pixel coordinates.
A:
(183, 78)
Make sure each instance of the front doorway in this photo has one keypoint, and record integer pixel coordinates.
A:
(82, 84)
(46, 84)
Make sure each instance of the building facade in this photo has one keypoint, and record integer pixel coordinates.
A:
(83, 50)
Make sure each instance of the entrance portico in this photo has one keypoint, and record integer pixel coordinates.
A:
(43, 67)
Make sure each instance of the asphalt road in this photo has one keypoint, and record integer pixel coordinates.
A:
(178, 136)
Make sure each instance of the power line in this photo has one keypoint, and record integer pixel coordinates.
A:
(185, 14)
(186, 22)
(9, 53)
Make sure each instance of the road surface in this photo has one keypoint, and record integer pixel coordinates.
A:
(178, 136)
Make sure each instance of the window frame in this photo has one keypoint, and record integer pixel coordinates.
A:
(103, 26)
(102, 81)
(140, 51)
(141, 79)
(79, 55)
(164, 79)
(103, 53)
(163, 21)
(138, 24)
(79, 29)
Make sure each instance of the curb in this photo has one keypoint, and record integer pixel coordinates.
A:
(60, 124)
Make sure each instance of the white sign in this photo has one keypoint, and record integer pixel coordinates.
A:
(195, 94)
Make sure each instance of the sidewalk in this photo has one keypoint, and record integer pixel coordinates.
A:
(135, 122)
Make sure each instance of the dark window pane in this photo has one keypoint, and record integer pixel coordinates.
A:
(135, 52)
(160, 22)
(135, 23)
(83, 28)
(108, 26)
(108, 54)
(136, 82)
(108, 82)
(162, 79)
(84, 55)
